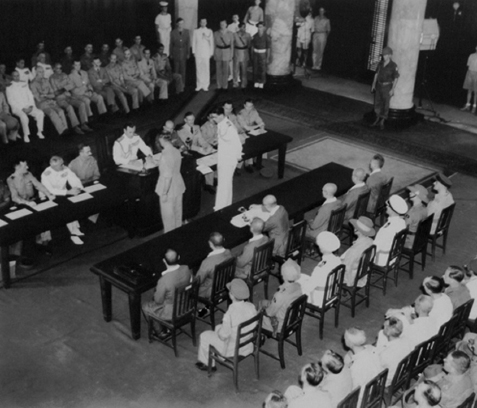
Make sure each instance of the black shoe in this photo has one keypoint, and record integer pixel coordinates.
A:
(203, 312)
(210, 189)
(164, 334)
(249, 169)
(203, 367)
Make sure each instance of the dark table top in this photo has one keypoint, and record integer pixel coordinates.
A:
(298, 196)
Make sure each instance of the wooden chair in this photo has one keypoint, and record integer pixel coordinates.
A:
(380, 209)
(355, 295)
(295, 244)
(351, 400)
(223, 274)
(444, 336)
(469, 401)
(442, 230)
(248, 332)
(392, 264)
(291, 325)
(423, 355)
(463, 313)
(331, 298)
(374, 391)
(400, 381)
(183, 313)
(359, 210)
(262, 264)
(419, 246)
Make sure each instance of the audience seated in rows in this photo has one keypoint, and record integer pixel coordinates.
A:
(351, 197)
(442, 308)
(375, 181)
(456, 289)
(442, 199)
(417, 213)
(322, 217)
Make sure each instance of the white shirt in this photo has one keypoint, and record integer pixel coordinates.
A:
(25, 74)
(436, 206)
(125, 149)
(364, 366)
(55, 181)
(163, 21)
(385, 237)
(229, 146)
(472, 286)
(203, 43)
(391, 355)
(422, 329)
(442, 310)
(216, 252)
(255, 238)
(171, 269)
(19, 96)
(472, 62)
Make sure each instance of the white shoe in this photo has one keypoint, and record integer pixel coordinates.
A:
(260, 86)
(77, 232)
(76, 240)
(26, 139)
(197, 89)
(256, 85)
(40, 136)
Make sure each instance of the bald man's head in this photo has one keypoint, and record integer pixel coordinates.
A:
(269, 202)
(256, 227)
(171, 257)
(329, 190)
(358, 176)
(169, 126)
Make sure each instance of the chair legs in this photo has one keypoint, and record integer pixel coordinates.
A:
(411, 266)
(265, 287)
(192, 332)
(212, 316)
(337, 314)
(281, 353)
(174, 341)
(353, 303)
(423, 258)
(322, 323)
(298, 341)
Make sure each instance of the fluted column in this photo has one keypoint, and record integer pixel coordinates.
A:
(405, 29)
(279, 17)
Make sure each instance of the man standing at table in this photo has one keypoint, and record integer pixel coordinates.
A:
(57, 178)
(126, 147)
(180, 49)
(170, 185)
(223, 54)
(203, 49)
(163, 26)
(229, 154)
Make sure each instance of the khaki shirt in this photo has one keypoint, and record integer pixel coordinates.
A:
(130, 70)
(23, 187)
(86, 168)
(42, 90)
(115, 72)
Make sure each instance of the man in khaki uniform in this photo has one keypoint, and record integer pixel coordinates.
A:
(164, 70)
(223, 54)
(150, 78)
(132, 75)
(115, 72)
(99, 79)
(242, 42)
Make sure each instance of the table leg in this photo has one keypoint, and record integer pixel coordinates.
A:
(106, 298)
(135, 315)
(4, 255)
(282, 152)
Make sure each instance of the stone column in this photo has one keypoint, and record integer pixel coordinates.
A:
(405, 29)
(279, 17)
(189, 11)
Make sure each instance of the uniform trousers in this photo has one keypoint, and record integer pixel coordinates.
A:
(122, 98)
(35, 113)
(180, 68)
(108, 95)
(96, 99)
(240, 71)
(66, 103)
(202, 67)
(173, 77)
(381, 100)
(56, 114)
(319, 44)
(162, 85)
(259, 67)
(171, 212)
(131, 90)
(139, 85)
(165, 39)
(209, 338)
(222, 74)
(225, 176)
(8, 127)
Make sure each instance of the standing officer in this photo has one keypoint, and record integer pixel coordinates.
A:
(242, 42)
(163, 26)
(203, 49)
(223, 54)
(261, 45)
(180, 48)
(384, 83)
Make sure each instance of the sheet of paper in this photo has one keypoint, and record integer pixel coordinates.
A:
(3, 223)
(94, 187)
(45, 205)
(238, 221)
(80, 197)
(209, 161)
(243, 219)
(18, 214)
(257, 132)
(137, 165)
(204, 169)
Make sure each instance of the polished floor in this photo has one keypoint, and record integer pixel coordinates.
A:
(57, 351)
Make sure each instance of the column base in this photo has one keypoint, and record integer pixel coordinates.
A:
(397, 118)
(279, 83)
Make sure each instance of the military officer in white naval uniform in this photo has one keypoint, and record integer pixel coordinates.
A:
(126, 147)
(203, 49)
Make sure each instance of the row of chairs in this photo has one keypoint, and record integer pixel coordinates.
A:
(409, 369)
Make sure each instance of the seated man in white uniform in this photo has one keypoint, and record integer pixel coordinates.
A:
(126, 147)
(56, 179)
(314, 286)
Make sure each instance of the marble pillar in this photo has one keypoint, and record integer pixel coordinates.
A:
(189, 11)
(279, 17)
(405, 27)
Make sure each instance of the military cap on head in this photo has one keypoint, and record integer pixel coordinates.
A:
(163, 3)
(364, 225)
(420, 191)
(397, 204)
(327, 241)
(443, 180)
(291, 271)
(387, 51)
(239, 289)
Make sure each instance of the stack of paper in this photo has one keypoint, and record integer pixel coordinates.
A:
(94, 187)
(204, 169)
(3, 223)
(45, 205)
(209, 161)
(137, 165)
(243, 219)
(80, 197)
(257, 132)
(18, 214)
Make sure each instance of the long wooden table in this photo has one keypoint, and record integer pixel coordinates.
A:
(298, 196)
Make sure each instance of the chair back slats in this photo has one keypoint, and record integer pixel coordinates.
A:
(185, 302)
(262, 258)
(294, 316)
(396, 249)
(445, 335)
(365, 263)
(351, 400)
(422, 234)
(401, 376)
(223, 274)
(374, 390)
(335, 224)
(248, 332)
(296, 238)
(334, 282)
(384, 192)
(361, 205)
(445, 219)
(468, 401)
(423, 355)
(462, 313)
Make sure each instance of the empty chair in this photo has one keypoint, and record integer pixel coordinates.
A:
(442, 230)
(248, 332)
(262, 264)
(291, 325)
(373, 392)
(183, 313)
(223, 274)
(331, 298)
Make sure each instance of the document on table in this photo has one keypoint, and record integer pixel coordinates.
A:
(80, 197)
(45, 205)
(3, 223)
(204, 169)
(18, 214)
(137, 165)
(243, 219)
(152, 164)
(257, 132)
(94, 187)
(209, 161)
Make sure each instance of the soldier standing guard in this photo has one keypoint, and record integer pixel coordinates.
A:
(163, 26)
(224, 51)
(260, 45)
(203, 49)
(242, 42)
